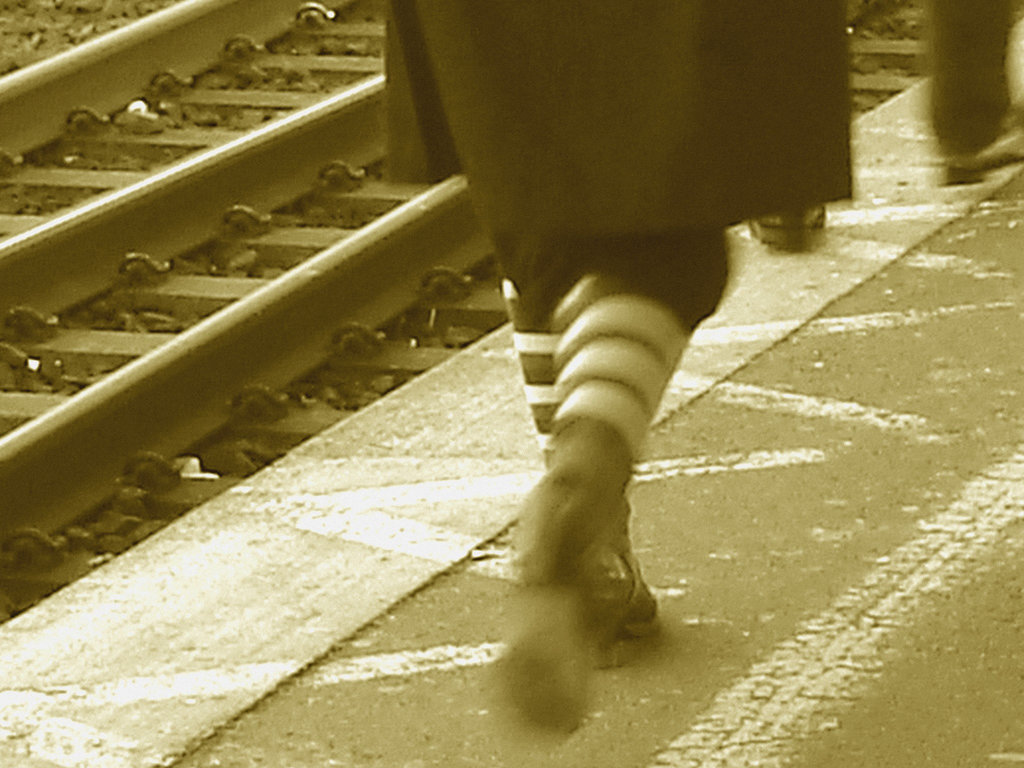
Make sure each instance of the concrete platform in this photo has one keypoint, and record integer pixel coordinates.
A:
(841, 446)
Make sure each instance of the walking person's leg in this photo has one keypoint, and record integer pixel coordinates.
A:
(970, 99)
(595, 366)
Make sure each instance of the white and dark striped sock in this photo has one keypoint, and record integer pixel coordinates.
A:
(614, 359)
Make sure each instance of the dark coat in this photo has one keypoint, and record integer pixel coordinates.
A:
(594, 117)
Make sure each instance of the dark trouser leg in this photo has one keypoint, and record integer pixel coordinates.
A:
(970, 96)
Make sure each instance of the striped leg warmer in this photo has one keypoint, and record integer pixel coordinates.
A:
(614, 359)
(535, 344)
(607, 356)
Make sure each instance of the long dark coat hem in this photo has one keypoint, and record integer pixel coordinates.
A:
(594, 117)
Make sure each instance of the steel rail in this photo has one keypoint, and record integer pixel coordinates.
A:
(56, 466)
(106, 73)
(182, 206)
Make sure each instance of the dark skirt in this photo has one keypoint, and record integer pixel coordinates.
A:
(612, 117)
(686, 269)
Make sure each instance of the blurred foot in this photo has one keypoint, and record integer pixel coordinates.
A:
(792, 231)
(974, 167)
(561, 633)
(545, 671)
(567, 609)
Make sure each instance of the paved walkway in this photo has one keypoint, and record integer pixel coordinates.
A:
(831, 512)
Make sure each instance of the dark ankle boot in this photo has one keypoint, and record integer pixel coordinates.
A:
(616, 585)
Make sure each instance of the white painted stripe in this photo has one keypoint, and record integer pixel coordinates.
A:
(809, 679)
(879, 321)
(707, 336)
(686, 386)
(499, 563)
(662, 469)
(181, 686)
(535, 343)
(774, 330)
(758, 332)
(194, 684)
(391, 534)
(441, 658)
(955, 264)
(884, 214)
(360, 515)
(541, 394)
(990, 207)
(806, 406)
(373, 498)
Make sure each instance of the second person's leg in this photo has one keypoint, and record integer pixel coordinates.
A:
(970, 98)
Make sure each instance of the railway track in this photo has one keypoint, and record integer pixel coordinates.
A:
(199, 271)
(235, 267)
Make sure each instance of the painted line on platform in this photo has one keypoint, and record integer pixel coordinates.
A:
(441, 658)
(185, 686)
(814, 407)
(664, 469)
(800, 688)
(776, 330)
(884, 321)
(685, 387)
(389, 533)
(886, 214)
(955, 264)
(361, 515)
(498, 562)
(872, 321)
(790, 696)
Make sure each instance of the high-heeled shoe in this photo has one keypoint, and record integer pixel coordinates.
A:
(617, 595)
